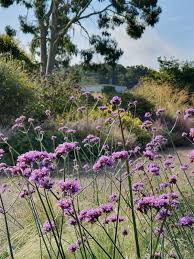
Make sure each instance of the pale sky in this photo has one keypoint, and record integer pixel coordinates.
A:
(173, 36)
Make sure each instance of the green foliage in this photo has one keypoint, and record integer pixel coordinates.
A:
(10, 31)
(54, 43)
(9, 48)
(179, 74)
(53, 93)
(16, 91)
(143, 104)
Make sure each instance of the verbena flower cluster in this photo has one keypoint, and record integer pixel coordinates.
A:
(97, 198)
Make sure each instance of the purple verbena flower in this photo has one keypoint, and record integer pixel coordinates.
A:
(72, 248)
(138, 186)
(65, 148)
(120, 155)
(186, 221)
(70, 186)
(48, 226)
(113, 197)
(154, 169)
(116, 100)
(102, 162)
(107, 208)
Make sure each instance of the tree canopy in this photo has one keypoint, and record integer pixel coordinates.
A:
(55, 20)
(178, 73)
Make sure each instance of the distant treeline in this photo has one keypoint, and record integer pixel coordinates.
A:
(105, 74)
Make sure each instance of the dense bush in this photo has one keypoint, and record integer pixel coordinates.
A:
(10, 48)
(54, 91)
(128, 97)
(16, 90)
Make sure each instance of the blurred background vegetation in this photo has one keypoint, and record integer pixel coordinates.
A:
(24, 91)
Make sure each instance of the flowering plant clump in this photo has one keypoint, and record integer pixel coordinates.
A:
(93, 199)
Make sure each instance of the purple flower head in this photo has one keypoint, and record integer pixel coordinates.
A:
(164, 185)
(147, 115)
(154, 169)
(103, 108)
(138, 186)
(157, 255)
(116, 100)
(71, 131)
(70, 186)
(1, 153)
(113, 197)
(90, 215)
(109, 120)
(121, 110)
(81, 109)
(91, 139)
(191, 132)
(19, 122)
(65, 148)
(53, 138)
(98, 127)
(102, 162)
(146, 124)
(72, 98)
(48, 226)
(125, 232)
(149, 154)
(120, 155)
(3, 166)
(62, 129)
(72, 222)
(136, 150)
(168, 163)
(172, 255)
(32, 157)
(191, 156)
(107, 208)
(160, 111)
(186, 221)
(173, 179)
(72, 248)
(46, 182)
(184, 167)
(190, 111)
(161, 202)
(4, 188)
(65, 204)
(158, 231)
(114, 218)
(163, 213)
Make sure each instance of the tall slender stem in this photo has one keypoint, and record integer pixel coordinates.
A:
(130, 194)
(7, 228)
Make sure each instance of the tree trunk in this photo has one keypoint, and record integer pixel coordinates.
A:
(43, 48)
(51, 57)
(53, 40)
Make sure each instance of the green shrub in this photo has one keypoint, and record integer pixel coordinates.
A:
(10, 48)
(16, 91)
(54, 91)
(143, 104)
